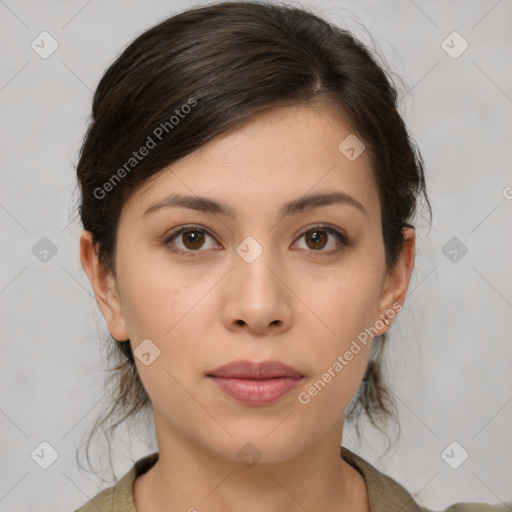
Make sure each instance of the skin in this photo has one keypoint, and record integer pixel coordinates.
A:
(299, 303)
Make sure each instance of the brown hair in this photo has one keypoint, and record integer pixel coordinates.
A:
(229, 61)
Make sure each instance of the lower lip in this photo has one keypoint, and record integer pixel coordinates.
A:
(256, 391)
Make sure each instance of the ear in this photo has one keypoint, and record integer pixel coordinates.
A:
(397, 280)
(104, 286)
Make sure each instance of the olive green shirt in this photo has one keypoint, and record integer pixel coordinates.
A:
(385, 494)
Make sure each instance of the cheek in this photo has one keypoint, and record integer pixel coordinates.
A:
(345, 309)
(339, 365)
(154, 297)
(162, 310)
(345, 304)
(163, 305)
(332, 389)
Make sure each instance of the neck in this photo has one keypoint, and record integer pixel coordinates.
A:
(192, 477)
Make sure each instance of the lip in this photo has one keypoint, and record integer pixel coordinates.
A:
(255, 383)
(243, 369)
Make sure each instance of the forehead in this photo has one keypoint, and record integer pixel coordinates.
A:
(276, 155)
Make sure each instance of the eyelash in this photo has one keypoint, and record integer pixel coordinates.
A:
(342, 238)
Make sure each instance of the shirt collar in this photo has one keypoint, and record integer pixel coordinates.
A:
(384, 493)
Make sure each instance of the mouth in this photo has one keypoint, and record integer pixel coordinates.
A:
(256, 383)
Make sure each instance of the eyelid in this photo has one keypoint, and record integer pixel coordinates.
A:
(340, 234)
(177, 231)
(188, 227)
(327, 227)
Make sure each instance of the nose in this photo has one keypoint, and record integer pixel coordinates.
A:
(257, 298)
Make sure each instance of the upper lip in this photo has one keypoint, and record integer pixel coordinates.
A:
(243, 369)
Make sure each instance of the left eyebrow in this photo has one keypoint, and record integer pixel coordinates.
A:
(207, 205)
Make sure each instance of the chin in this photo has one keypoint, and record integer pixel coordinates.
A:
(259, 442)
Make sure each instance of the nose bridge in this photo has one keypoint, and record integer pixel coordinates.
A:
(257, 295)
(253, 263)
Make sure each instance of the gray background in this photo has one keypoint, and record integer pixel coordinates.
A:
(450, 358)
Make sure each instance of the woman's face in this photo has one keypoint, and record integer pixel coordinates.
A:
(264, 282)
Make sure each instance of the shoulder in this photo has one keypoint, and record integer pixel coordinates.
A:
(119, 498)
(475, 507)
(386, 494)
(103, 501)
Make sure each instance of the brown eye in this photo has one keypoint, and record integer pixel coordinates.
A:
(319, 237)
(192, 239)
(189, 240)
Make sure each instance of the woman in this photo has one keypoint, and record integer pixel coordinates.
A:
(247, 191)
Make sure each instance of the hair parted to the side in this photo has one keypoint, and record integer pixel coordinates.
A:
(237, 59)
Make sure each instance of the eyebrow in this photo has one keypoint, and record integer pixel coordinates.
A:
(207, 205)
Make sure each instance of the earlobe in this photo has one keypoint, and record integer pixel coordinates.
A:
(397, 280)
(104, 287)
